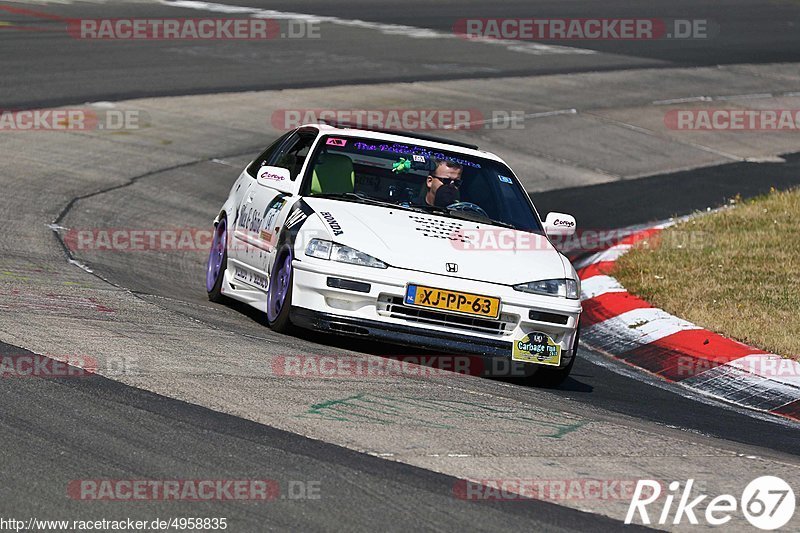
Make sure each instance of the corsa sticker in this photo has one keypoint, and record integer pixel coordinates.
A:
(536, 348)
(335, 227)
(563, 223)
(265, 174)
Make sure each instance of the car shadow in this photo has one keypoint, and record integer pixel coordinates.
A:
(573, 385)
(437, 360)
(398, 352)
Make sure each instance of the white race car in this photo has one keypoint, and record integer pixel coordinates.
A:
(402, 238)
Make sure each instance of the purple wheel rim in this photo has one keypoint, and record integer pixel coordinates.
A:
(279, 287)
(216, 255)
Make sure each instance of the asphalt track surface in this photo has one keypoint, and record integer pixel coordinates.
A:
(53, 442)
(750, 31)
(60, 430)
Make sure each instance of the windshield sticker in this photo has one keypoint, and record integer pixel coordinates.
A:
(365, 146)
(402, 166)
(337, 229)
(403, 149)
(419, 158)
(505, 179)
(336, 142)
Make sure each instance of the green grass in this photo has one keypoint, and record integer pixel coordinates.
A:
(735, 271)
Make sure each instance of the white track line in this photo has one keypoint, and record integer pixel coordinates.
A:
(386, 29)
(723, 98)
(597, 285)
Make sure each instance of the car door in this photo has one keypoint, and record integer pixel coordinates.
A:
(244, 218)
(269, 206)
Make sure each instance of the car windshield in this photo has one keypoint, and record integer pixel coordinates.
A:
(416, 177)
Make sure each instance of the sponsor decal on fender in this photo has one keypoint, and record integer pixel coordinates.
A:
(335, 227)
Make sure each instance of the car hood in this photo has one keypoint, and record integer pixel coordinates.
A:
(427, 243)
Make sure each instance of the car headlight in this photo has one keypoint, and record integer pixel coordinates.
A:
(565, 288)
(322, 249)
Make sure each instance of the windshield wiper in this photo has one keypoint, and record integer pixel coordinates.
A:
(431, 209)
(477, 217)
(463, 215)
(358, 197)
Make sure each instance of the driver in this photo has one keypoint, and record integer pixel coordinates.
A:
(441, 187)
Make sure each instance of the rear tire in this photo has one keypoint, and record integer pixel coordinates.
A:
(217, 262)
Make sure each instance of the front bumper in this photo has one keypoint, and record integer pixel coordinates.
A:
(375, 310)
(398, 333)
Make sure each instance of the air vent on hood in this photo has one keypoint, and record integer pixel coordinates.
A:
(439, 229)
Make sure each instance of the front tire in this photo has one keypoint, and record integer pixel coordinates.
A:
(279, 294)
(550, 378)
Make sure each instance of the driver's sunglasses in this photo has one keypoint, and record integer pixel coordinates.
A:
(448, 181)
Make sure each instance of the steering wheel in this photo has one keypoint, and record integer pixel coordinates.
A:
(468, 206)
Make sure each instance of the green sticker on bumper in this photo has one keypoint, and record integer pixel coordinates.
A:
(537, 348)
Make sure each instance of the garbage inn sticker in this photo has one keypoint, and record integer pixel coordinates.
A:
(536, 348)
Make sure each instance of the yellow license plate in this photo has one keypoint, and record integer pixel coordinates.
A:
(453, 301)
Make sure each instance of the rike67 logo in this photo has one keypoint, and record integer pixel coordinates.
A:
(767, 502)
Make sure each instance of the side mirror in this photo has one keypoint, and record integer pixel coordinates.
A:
(559, 224)
(277, 178)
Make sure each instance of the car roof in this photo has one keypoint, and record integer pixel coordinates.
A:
(400, 136)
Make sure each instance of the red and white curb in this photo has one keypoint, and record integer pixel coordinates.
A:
(632, 330)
